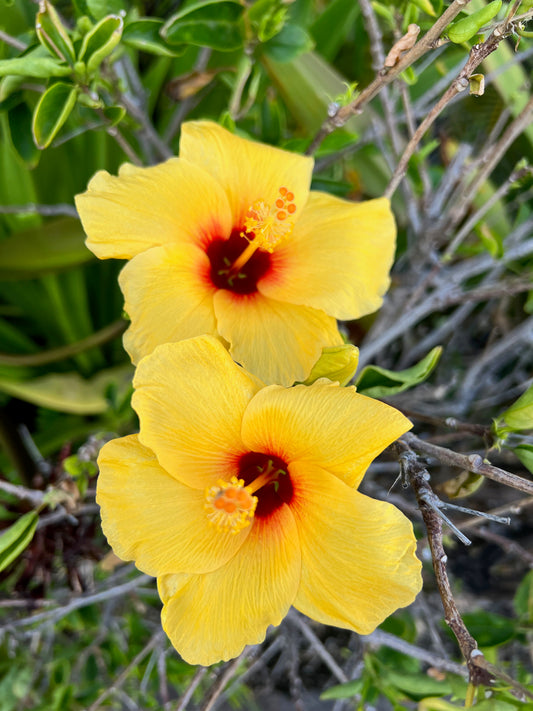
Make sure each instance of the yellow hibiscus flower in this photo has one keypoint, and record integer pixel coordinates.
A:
(228, 240)
(242, 500)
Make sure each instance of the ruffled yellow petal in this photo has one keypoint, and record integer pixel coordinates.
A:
(358, 554)
(337, 259)
(190, 397)
(247, 171)
(151, 518)
(212, 617)
(323, 424)
(174, 202)
(167, 296)
(279, 342)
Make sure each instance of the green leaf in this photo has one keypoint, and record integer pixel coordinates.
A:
(519, 416)
(56, 245)
(380, 382)
(100, 42)
(524, 452)
(53, 109)
(523, 599)
(467, 27)
(69, 392)
(19, 118)
(287, 44)
(52, 33)
(17, 537)
(100, 8)
(145, 36)
(416, 686)
(339, 14)
(31, 66)
(208, 23)
(489, 628)
(342, 691)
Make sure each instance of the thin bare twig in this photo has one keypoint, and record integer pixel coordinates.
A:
(478, 53)
(429, 41)
(59, 612)
(418, 477)
(469, 462)
(45, 210)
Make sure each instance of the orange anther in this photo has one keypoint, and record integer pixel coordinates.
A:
(283, 191)
(289, 196)
(281, 215)
(280, 202)
(291, 208)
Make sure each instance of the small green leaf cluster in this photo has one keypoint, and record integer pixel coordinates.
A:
(511, 427)
(70, 59)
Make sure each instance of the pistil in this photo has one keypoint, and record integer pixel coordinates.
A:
(266, 226)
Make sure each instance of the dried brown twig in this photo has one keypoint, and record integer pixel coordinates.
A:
(418, 477)
(469, 462)
(431, 40)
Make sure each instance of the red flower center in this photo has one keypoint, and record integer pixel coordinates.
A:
(223, 253)
(277, 490)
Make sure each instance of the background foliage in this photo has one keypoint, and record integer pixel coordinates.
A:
(444, 128)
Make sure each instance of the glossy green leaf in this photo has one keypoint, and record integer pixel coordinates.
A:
(58, 244)
(209, 23)
(145, 35)
(17, 538)
(380, 382)
(53, 109)
(33, 66)
(52, 33)
(69, 392)
(100, 42)
(289, 43)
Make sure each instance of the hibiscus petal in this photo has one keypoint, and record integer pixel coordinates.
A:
(167, 296)
(144, 207)
(279, 342)
(358, 554)
(247, 171)
(324, 424)
(190, 397)
(212, 617)
(153, 519)
(337, 259)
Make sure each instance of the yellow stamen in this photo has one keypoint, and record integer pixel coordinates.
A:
(268, 224)
(230, 505)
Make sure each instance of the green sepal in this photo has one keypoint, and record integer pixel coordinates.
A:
(337, 363)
